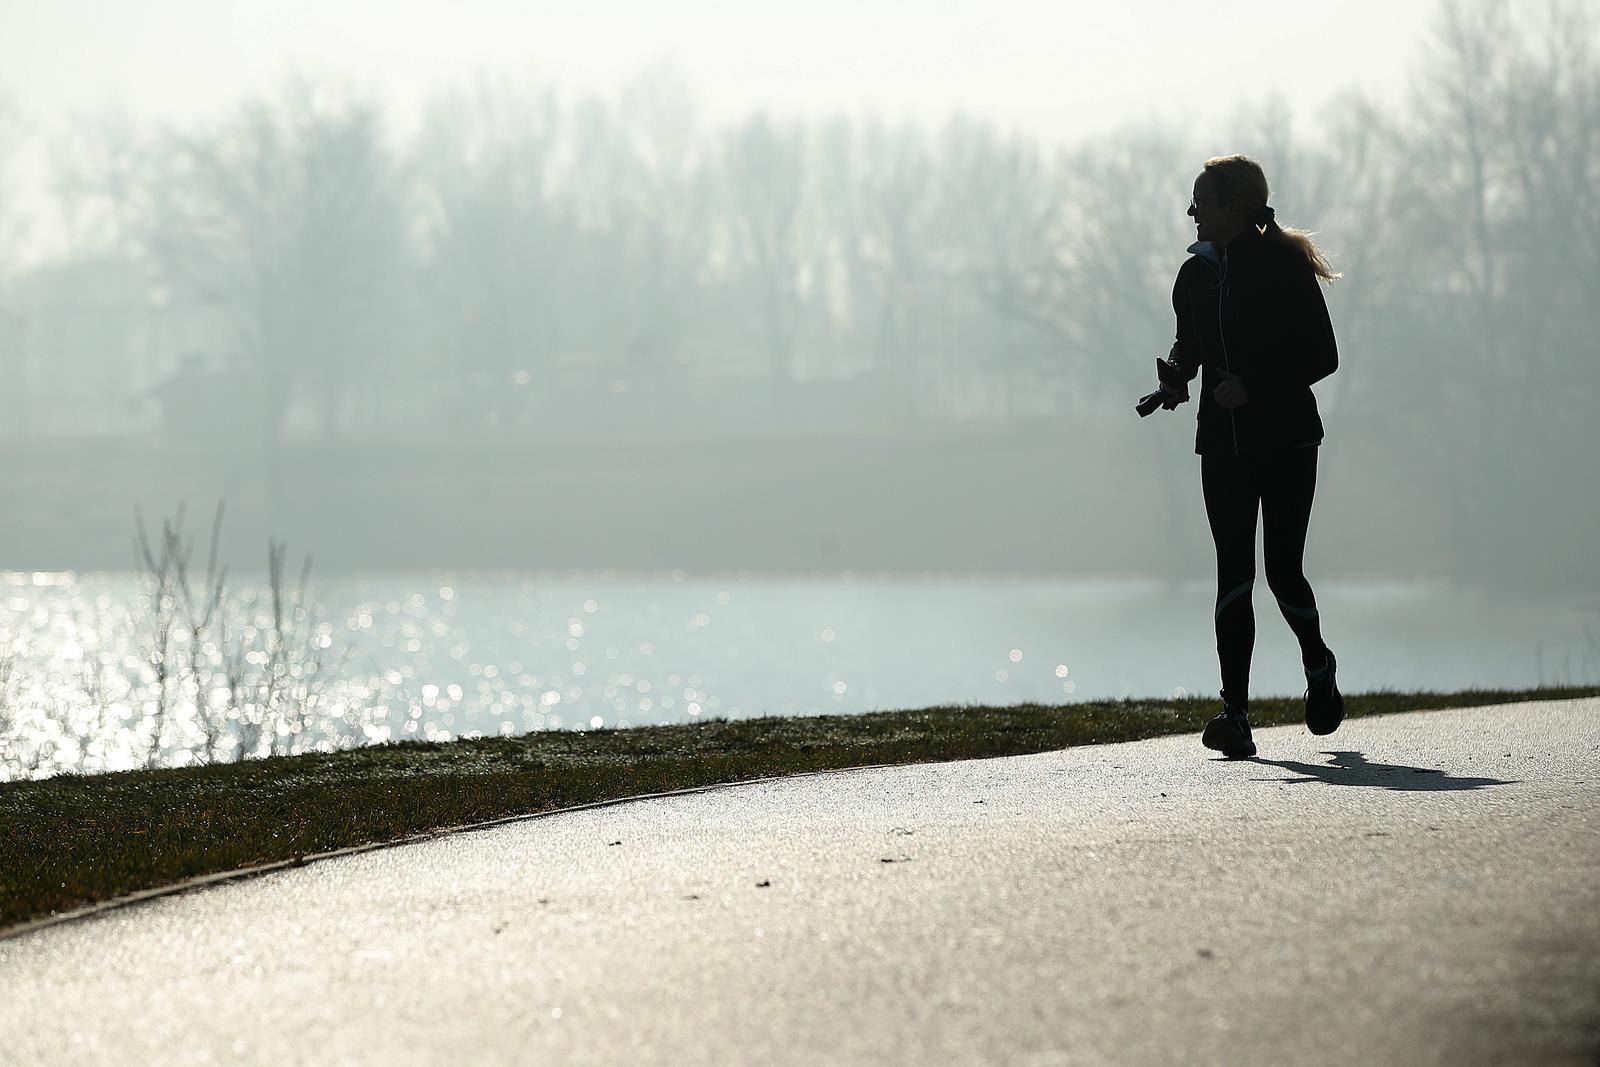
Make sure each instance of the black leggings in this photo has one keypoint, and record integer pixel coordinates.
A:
(1281, 483)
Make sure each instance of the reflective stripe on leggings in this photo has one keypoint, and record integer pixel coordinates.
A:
(1233, 594)
(1304, 613)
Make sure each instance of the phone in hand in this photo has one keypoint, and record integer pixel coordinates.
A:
(1171, 374)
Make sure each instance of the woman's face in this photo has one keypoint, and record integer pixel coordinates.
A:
(1213, 222)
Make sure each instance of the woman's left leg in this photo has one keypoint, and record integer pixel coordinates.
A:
(1288, 486)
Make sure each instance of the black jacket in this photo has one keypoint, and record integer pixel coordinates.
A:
(1257, 310)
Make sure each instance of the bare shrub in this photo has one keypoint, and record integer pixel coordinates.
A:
(159, 572)
(8, 716)
(272, 664)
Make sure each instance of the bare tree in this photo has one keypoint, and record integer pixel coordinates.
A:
(101, 165)
(766, 235)
(497, 238)
(285, 220)
(997, 246)
(879, 193)
(14, 365)
(1500, 234)
(640, 190)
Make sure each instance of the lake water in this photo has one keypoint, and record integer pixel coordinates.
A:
(451, 655)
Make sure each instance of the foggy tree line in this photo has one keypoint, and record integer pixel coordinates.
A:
(525, 258)
(520, 246)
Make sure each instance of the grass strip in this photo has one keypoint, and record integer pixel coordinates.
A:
(74, 840)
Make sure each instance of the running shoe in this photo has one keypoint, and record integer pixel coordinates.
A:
(1229, 734)
(1324, 705)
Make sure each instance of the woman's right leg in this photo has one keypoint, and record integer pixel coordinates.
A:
(1232, 500)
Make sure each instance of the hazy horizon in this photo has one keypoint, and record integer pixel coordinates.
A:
(309, 310)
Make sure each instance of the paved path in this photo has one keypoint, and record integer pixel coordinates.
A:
(1416, 889)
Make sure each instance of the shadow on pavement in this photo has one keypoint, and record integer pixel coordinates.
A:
(1352, 768)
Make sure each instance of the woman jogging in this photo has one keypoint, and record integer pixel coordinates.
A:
(1252, 322)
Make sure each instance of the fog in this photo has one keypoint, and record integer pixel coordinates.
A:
(504, 321)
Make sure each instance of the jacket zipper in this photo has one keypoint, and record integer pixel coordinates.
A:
(1222, 295)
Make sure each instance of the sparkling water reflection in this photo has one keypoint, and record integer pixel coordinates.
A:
(436, 657)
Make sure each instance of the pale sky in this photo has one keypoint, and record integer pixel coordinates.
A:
(1056, 69)
(1059, 71)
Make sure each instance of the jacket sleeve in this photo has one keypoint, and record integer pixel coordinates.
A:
(1310, 352)
(1186, 347)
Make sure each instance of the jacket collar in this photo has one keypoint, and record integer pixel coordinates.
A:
(1247, 238)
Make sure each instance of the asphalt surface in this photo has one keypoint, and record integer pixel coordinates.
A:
(1416, 889)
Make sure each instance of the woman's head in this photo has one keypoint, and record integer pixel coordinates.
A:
(1230, 194)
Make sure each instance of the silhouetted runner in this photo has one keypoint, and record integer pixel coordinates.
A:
(1252, 322)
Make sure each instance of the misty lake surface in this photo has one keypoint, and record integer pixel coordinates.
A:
(438, 656)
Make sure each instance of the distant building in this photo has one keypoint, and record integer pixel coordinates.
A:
(84, 346)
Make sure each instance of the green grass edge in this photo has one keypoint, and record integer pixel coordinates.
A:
(75, 840)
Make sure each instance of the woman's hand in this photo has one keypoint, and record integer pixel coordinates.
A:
(1175, 392)
(1230, 394)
